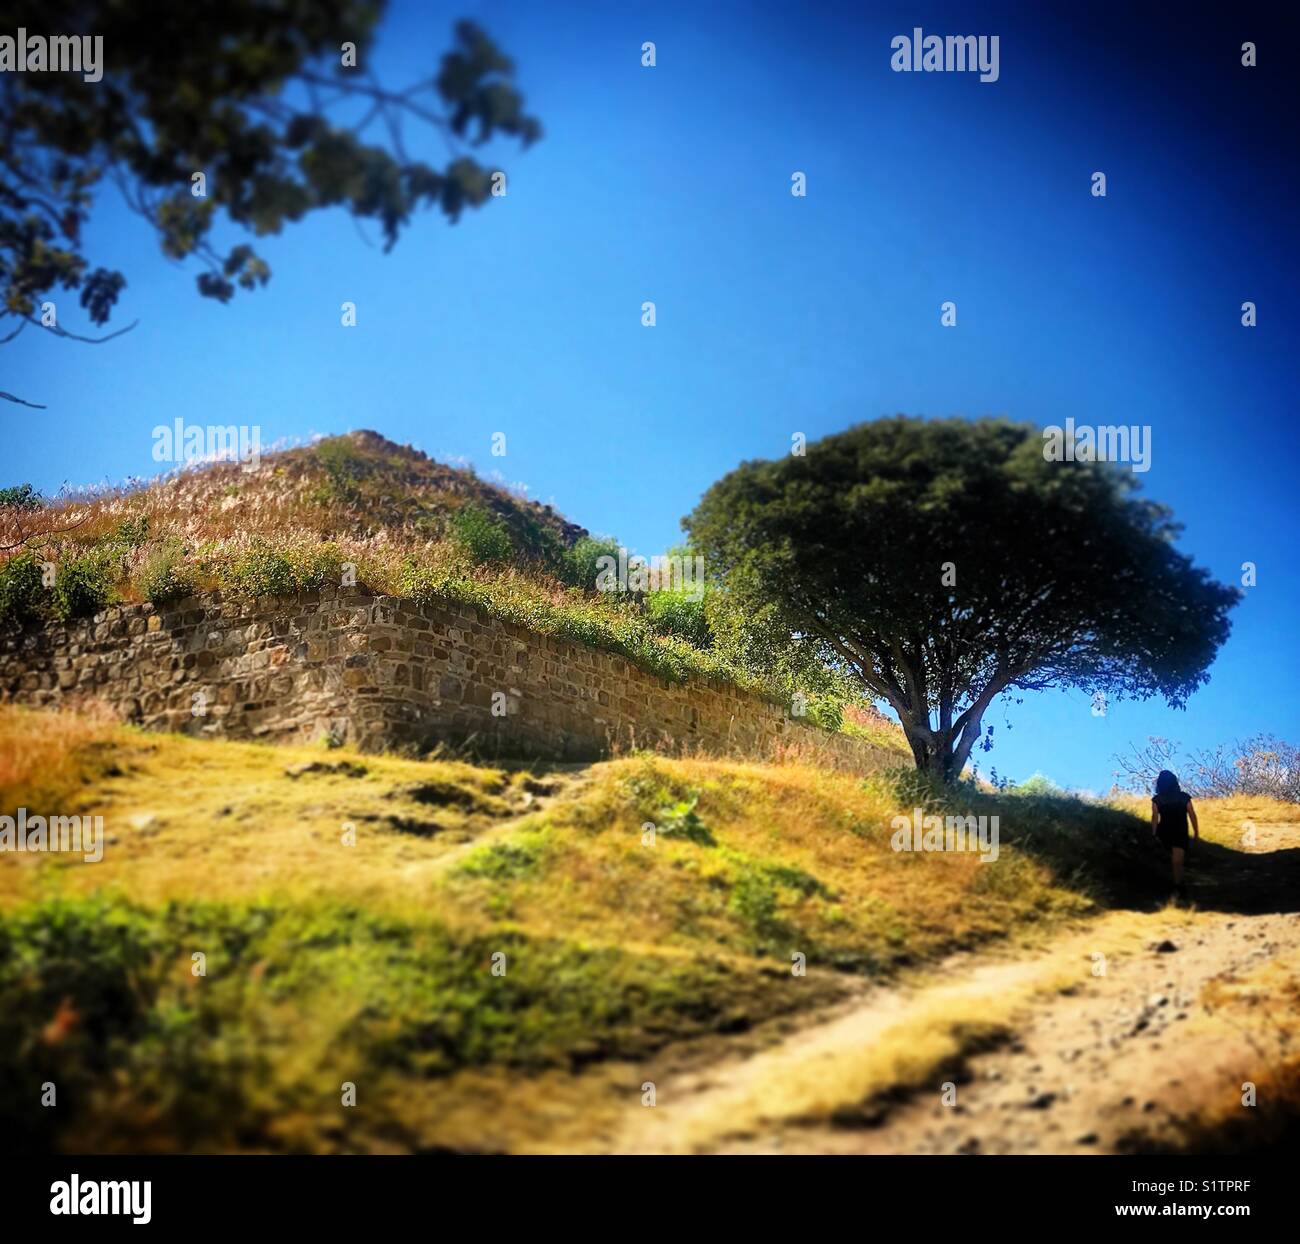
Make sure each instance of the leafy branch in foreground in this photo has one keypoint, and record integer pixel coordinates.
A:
(253, 111)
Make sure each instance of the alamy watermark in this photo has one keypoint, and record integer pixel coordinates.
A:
(635, 573)
(74, 835)
(922, 53)
(24, 53)
(1086, 443)
(946, 833)
(196, 442)
(127, 1197)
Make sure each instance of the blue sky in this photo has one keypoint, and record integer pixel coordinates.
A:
(779, 314)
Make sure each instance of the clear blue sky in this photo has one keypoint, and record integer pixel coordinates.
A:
(778, 314)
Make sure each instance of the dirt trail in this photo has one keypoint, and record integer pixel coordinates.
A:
(1087, 1060)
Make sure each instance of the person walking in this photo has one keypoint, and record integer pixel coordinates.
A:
(1171, 811)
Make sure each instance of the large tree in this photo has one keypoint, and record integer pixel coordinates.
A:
(273, 102)
(946, 562)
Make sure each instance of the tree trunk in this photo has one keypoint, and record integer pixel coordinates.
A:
(943, 753)
(932, 751)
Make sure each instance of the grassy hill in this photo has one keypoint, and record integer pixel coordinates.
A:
(373, 963)
(359, 487)
(497, 958)
(361, 509)
(291, 521)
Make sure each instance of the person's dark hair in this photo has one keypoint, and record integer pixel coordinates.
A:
(1167, 783)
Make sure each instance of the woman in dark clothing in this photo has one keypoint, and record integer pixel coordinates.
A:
(1171, 809)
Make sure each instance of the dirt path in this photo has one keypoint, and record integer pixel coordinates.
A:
(1092, 1051)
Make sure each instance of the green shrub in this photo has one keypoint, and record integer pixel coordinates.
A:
(133, 532)
(826, 712)
(20, 497)
(263, 571)
(84, 585)
(1039, 784)
(22, 594)
(759, 886)
(315, 567)
(482, 535)
(344, 466)
(581, 562)
(506, 861)
(431, 585)
(754, 899)
(165, 576)
(682, 821)
(652, 788)
(594, 622)
(677, 613)
(539, 544)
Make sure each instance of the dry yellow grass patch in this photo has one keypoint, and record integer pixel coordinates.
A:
(44, 757)
(1228, 822)
(753, 859)
(194, 819)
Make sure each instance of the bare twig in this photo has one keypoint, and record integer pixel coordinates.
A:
(9, 397)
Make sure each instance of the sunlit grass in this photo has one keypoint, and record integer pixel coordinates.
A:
(350, 907)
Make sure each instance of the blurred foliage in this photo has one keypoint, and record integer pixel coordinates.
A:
(1038, 784)
(258, 97)
(165, 576)
(582, 561)
(483, 536)
(84, 585)
(20, 497)
(99, 998)
(21, 591)
(285, 570)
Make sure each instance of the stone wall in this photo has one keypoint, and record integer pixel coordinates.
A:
(379, 672)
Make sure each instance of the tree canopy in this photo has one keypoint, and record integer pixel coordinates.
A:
(945, 562)
(273, 102)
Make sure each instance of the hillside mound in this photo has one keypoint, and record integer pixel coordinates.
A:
(359, 487)
(359, 511)
(351, 910)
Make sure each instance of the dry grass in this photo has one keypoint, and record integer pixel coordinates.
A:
(47, 759)
(372, 503)
(621, 945)
(380, 497)
(757, 859)
(186, 819)
(1227, 822)
(801, 857)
